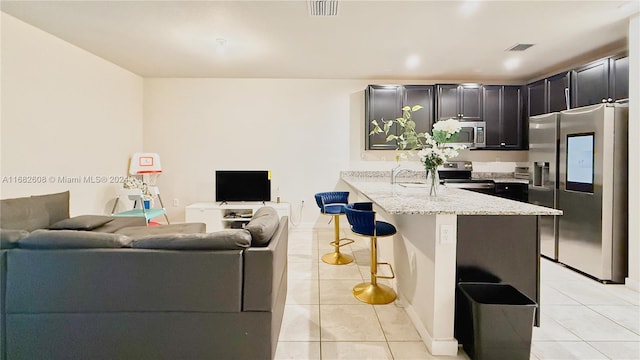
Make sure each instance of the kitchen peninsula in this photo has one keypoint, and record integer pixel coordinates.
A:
(457, 236)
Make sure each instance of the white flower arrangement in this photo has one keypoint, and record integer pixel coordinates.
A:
(436, 153)
(432, 149)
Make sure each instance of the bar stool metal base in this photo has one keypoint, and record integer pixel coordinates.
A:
(375, 294)
(337, 258)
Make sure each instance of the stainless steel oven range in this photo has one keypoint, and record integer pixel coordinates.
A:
(457, 174)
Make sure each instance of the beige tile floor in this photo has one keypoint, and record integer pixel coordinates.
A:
(581, 319)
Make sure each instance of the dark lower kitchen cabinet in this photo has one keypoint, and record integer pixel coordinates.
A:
(502, 113)
(459, 101)
(513, 191)
(386, 102)
(605, 80)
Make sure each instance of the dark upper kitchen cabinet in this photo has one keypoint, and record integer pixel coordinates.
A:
(558, 92)
(548, 95)
(386, 102)
(381, 102)
(420, 95)
(459, 101)
(491, 109)
(502, 113)
(605, 80)
(590, 84)
(537, 97)
(619, 77)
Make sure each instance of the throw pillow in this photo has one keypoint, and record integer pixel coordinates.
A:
(72, 239)
(232, 239)
(263, 225)
(57, 205)
(9, 238)
(23, 214)
(82, 222)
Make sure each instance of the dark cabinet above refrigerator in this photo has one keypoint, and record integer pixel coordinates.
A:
(605, 80)
(548, 95)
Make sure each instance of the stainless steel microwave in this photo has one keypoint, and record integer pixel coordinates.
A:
(472, 135)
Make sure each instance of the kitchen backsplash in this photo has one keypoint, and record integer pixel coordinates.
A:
(498, 167)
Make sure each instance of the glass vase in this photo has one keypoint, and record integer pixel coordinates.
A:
(433, 179)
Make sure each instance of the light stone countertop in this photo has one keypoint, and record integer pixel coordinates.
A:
(510, 181)
(397, 199)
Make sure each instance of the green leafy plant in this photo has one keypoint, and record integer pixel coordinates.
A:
(408, 139)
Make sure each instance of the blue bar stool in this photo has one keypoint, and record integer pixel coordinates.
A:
(363, 222)
(333, 203)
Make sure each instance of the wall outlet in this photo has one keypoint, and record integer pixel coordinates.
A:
(176, 202)
(446, 235)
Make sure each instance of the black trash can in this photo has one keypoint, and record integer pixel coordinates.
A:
(499, 319)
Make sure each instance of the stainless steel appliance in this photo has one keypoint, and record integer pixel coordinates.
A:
(543, 181)
(588, 183)
(457, 174)
(592, 234)
(472, 134)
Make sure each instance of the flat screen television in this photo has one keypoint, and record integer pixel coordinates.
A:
(243, 185)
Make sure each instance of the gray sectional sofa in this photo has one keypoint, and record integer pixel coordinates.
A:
(125, 291)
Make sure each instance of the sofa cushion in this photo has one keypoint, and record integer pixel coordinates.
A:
(120, 223)
(139, 231)
(232, 239)
(9, 238)
(57, 205)
(82, 222)
(72, 239)
(23, 214)
(263, 225)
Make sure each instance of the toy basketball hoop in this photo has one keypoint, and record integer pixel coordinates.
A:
(147, 165)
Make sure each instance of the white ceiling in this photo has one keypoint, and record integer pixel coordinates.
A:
(463, 40)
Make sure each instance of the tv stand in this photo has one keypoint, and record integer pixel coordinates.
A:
(233, 215)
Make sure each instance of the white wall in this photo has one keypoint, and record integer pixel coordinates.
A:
(65, 113)
(304, 131)
(634, 153)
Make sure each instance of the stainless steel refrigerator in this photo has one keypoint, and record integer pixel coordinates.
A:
(592, 191)
(543, 176)
(588, 183)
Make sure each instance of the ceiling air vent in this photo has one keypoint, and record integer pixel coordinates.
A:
(519, 47)
(323, 7)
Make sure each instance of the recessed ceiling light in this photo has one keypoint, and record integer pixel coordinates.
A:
(511, 63)
(220, 44)
(412, 61)
(468, 7)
